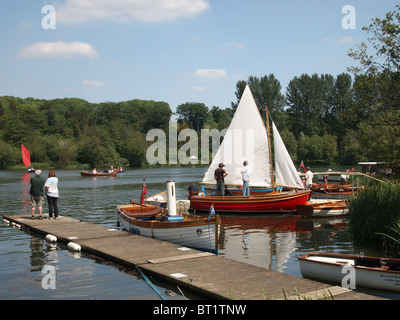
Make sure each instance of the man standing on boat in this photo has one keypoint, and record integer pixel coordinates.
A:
(309, 178)
(246, 180)
(219, 175)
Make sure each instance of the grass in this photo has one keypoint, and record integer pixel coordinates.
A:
(375, 215)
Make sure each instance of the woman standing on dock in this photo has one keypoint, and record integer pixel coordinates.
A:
(51, 186)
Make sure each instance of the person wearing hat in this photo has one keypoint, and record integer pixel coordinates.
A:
(309, 178)
(219, 175)
(246, 179)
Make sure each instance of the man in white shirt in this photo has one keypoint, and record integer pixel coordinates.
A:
(246, 179)
(309, 178)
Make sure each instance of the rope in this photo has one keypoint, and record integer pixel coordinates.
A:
(150, 284)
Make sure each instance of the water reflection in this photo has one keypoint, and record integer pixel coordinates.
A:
(269, 241)
(275, 241)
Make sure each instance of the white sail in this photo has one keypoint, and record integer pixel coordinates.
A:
(246, 139)
(285, 171)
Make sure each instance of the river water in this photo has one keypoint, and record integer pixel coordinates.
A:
(272, 241)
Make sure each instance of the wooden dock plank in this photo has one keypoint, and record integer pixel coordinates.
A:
(213, 276)
(133, 250)
(179, 258)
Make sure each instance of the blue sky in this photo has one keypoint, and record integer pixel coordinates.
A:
(172, 50)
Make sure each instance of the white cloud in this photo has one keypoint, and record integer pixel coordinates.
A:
(236, 45)
(58, 49)
(24, 25)
(210, 73)
(93, 83)
(346, 39)
(199, 89)
(127, 11)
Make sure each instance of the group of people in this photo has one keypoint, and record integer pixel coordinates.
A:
(37, 193)
(112, 170)
(220, 173)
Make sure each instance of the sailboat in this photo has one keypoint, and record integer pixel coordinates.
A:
(26, 158)
(248, 138)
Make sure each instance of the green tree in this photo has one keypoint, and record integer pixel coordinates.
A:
(9, 156)
(266, 91)
(378, 87)
(309, 103)
(220, 118)
(194, 114)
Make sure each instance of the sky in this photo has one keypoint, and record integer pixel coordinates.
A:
(175, 51)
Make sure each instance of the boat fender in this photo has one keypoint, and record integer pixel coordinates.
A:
(73, 246)
(51, 238)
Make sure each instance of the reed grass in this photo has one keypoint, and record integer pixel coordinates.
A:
(375, 215)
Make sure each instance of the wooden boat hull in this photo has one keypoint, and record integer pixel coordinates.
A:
(335, 191)
(273, 202)
(239, 190)
(193, 231)
(322, 208)
(370, 272)
(100, 174)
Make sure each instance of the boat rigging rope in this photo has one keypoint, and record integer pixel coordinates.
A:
(150, 284)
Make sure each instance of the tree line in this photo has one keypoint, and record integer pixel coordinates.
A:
(72, 131)
(350, 117)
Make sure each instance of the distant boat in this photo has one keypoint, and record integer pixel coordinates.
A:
(370, 272)
(99, 174)
(322, 208)
(26, 158)
(188, 230)
(159, 200)
(331, 191)
(248, 131)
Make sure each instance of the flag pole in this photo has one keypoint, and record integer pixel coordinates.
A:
(216, 233)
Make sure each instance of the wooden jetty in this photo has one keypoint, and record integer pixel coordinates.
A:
(194, 271)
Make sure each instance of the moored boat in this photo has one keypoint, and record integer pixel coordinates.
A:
(370, 272)
(98, 174)
(330, 191)
(159, 199)
(274, 202)
(193, 231)
(322, 208)
(247, 128)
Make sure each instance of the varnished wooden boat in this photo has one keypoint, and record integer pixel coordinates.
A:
(274, 202)
(184, 229)
(370, 272)
(322, 208)
(100, 174)
(335, 191)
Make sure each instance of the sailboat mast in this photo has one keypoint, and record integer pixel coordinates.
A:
(270, 149)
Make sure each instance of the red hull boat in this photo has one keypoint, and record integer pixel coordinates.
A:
(274, 202)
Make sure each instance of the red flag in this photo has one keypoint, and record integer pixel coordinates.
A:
(25, 156)
(144, 192)
(302, 165)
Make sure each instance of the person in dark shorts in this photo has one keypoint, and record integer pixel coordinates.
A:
(219, 175)
(36, 192)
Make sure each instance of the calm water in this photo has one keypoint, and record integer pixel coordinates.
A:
(269, 241)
